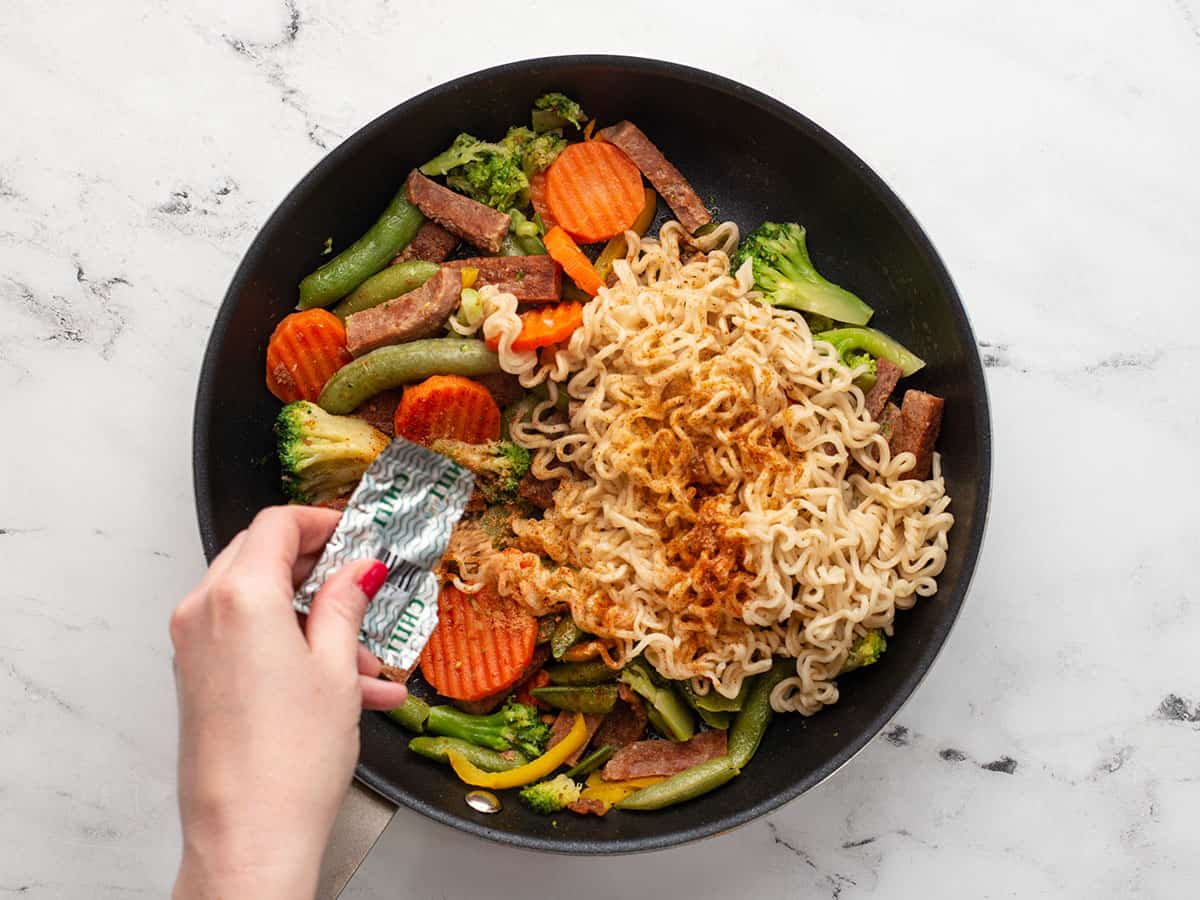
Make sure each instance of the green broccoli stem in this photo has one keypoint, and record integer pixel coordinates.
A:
(664, 708)
(874, 342)
(491, 731)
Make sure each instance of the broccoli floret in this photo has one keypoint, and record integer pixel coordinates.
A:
(496, 520)
(554, 110)
(856, 358)
(550, 796)
(488, 173)
(498, 465)
(466, 149)
(785, 274)
(543, 151)
(323, 456)
(514, 726)
(866, 650)
(495, 179)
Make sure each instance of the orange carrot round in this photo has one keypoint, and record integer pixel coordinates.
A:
(544, 326)
(567, 254)
(481, 646)
(447, 406)
(594, 190)
(304, 351)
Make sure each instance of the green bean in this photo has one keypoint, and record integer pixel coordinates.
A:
(594, 699)
(436, 748)
(566, 635)
(690, 783)
(392, 282)
(412, 714)
(594, 671)
(546, 624)
(591, 762)
(400, 364)
(751, 723)
(388, 236)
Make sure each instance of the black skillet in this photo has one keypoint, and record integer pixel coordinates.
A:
(755, 159)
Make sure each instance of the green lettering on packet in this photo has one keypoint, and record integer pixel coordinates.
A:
(401, 513)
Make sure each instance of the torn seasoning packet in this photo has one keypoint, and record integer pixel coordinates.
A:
(401, 513)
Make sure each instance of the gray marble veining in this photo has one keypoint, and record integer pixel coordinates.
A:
(1051, 153)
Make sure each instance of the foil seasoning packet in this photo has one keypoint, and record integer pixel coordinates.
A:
(401, 513)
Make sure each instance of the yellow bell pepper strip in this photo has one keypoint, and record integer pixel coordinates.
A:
(528, 773)
(469, 274)
(612, 792)
(615, 248)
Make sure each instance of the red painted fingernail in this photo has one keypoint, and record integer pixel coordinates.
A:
(370, 581)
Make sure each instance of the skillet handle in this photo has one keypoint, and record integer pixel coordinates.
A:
(361, 820)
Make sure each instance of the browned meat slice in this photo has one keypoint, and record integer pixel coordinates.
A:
(684, 202)
(338, 503)
(887, 419)
(482, 706)
(432, 243)
(887, 375)
(505, 389)
(538, 492)
(480, 225)
(417, 314)
(562, 725)
(625, 724)
(380, 411)
(644, 758)
(588, 807)
(531, 279)
(916, 430)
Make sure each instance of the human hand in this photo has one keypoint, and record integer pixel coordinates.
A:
(269, 709)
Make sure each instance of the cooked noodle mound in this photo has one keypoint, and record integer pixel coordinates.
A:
(722, 494)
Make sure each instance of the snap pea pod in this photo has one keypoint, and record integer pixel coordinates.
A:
(400, 364)
(392, 282)
(526, 234)
(412, 714)
(436, 748)
(591, 762)
(688, 784)
(594, 699)
(388, 236)
(714, 702)
(594, 671)
(565, 636)
(751, 723)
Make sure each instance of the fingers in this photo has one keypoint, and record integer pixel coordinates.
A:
(224, 560)
(368, 663)
(379, 694)
(279, 535)
(337, 611)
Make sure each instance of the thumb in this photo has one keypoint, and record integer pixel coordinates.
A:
(337, 611)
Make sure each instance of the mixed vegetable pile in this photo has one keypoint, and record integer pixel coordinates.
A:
(373, 352)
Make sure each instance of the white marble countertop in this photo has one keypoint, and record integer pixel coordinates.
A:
(1051, 153)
